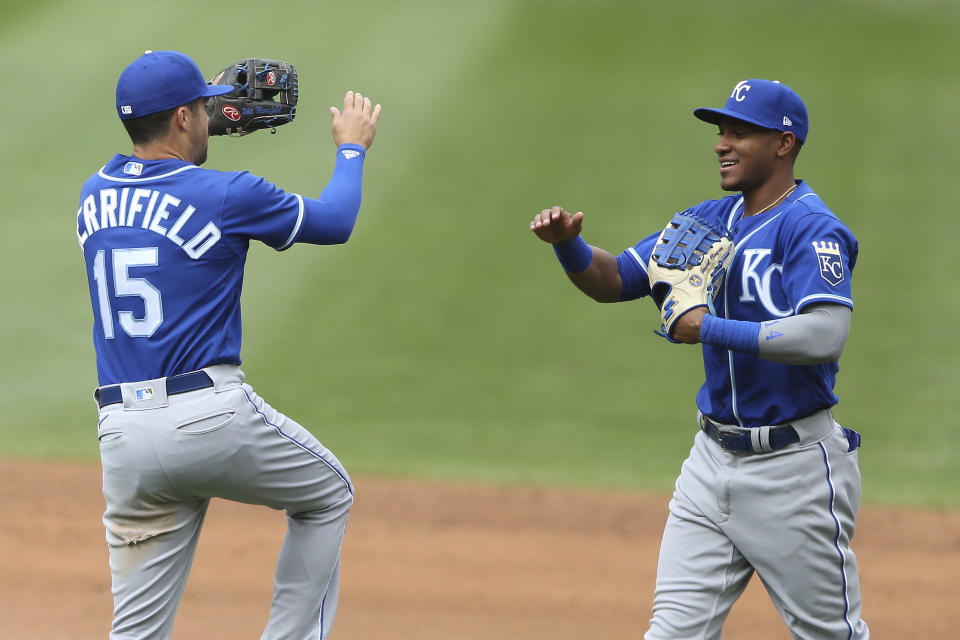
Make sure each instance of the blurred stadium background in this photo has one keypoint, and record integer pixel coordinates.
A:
(443, 340)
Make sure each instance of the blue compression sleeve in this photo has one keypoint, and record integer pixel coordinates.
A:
(330, 218)
(575, 255)
(735, 335)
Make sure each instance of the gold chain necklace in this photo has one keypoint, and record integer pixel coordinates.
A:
(772, 204)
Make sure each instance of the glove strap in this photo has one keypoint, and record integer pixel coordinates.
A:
(663, 335)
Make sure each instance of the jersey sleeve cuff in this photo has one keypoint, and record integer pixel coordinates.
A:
(828, 298)
(296, 227)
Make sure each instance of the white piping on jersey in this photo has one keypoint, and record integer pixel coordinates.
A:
(106, 177)
(733, 212)
(726, 306)
(822, 296)
(296, 227)
(636, 256)
(736, 248)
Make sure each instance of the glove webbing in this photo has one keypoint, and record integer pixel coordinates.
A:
(685, 242)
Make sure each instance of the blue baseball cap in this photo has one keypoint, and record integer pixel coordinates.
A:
(765, 103)
(161, 80)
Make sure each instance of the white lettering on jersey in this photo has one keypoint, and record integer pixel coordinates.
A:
(182, 220)
(108, 208)
(123, 209)
(90, 215)
(149, 211)
(749, 276)
(124, 198)
(162, 213)
(198, 244)
(136, 206)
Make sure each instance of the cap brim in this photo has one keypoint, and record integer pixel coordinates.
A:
(217, 90)
(713, 116)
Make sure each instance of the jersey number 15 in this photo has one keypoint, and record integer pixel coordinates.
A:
(124, 285)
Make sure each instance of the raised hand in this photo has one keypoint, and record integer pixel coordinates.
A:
(556, 225)
(357, 123)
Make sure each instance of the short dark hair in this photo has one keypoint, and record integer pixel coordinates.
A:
(148, 128)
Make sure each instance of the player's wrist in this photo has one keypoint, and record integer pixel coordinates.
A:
(354, 146)
(735, 335)
(687, 327)
(575, 255)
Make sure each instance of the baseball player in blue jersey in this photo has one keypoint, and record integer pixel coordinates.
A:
(164, 243)
(772, 482)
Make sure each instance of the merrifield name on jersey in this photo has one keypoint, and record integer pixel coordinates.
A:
(149, 209)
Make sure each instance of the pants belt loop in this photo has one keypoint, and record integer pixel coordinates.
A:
(765, 445)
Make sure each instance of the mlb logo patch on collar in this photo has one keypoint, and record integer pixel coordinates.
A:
(133, 168)
(830, 261)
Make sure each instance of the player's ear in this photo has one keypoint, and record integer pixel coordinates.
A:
(182, 117)
(787, 144)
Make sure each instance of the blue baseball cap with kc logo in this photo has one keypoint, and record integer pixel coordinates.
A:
(161, 80)
(765, 103)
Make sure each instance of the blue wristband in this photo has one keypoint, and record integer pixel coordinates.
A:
(575, 255)
(735, 335)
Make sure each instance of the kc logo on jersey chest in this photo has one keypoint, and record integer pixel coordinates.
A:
(753, 277)
(830, 261)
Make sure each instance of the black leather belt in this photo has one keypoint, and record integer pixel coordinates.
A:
(180, 383)
(749, 440)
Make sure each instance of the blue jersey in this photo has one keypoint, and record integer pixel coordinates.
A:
(165, 243)
(793, 256)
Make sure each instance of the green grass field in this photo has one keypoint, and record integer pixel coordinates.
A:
(443, 340)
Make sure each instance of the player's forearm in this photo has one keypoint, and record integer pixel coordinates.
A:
(593, 270)
(815, 336)
(330, 219)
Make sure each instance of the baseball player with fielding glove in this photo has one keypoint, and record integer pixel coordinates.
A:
(761, 279)
(164, 242)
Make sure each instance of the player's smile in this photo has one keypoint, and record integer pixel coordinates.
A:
(744, 152)
(726, 166)
(728, 173)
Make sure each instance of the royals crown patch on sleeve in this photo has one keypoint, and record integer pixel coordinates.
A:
(830, 261)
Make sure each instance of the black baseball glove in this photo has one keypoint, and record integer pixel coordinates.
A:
(264, 97)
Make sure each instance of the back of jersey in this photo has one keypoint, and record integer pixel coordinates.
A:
(165, 243)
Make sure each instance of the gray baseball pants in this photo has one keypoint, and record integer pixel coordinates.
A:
(165, 457)
(789, 515)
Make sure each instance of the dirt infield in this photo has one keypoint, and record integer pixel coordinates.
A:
(439, 562)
